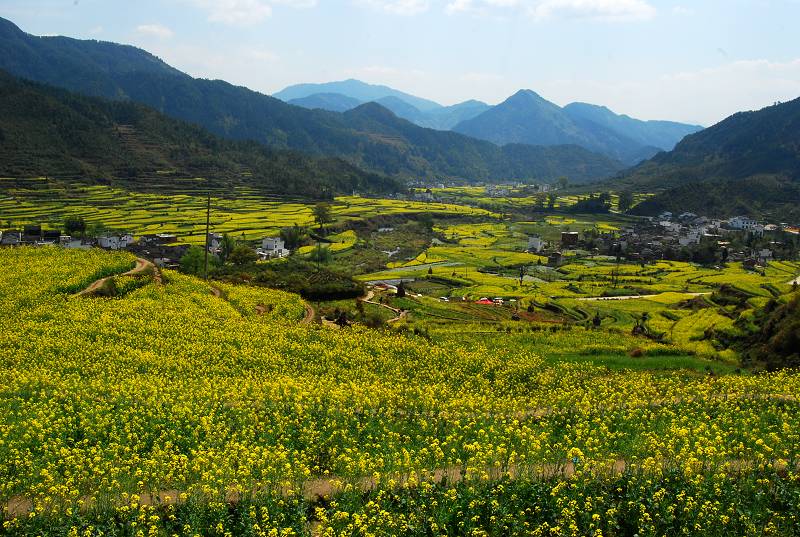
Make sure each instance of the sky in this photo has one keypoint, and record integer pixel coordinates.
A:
(695, 61)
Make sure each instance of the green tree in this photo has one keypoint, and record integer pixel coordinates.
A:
(551, 200)
(193, 261)
(625, 200)
(322, 214)
(242, 255)
(562, 182)
(226, 247)
(426, 221)
(293, 236)
(75, 225)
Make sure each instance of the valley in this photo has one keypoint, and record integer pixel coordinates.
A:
(238, 305)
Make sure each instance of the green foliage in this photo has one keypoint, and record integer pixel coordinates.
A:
(193, 261)
(293, 236)
(322, 214)
(242, 255)
(775, 343)
(74, 225)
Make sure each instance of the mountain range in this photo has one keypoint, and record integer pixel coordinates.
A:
(46, 131)
(523, 118)
(748, 163)
(527, 118)
(347, 94)
(371, 139)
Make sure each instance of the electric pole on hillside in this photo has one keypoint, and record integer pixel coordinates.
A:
(208, 225)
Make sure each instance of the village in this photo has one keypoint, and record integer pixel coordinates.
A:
(684, 237)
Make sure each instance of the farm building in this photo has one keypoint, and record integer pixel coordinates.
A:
(556, 259)
(272, 247)
(569, 238)
(115, 241)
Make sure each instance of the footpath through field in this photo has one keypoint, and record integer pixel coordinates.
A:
(141, 267)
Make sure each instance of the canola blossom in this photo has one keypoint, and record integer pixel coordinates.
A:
(171, 410)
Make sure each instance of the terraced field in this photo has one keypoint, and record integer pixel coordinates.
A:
(172, 409)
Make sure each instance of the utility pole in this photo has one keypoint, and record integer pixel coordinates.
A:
(208, 226)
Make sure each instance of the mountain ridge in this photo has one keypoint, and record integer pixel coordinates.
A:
(238, 113)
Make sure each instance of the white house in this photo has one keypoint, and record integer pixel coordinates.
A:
(272, 247)
(764, 255)
(115, 242)
(66, 241)
(690, 238)
(214, 242)
(535, 243)
(742, 222)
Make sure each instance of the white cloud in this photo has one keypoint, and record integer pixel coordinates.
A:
(155, 30)
(246, 12)
(397, 7)
(682, 10)
(606, 10)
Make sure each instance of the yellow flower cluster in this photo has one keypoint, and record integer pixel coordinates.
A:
(170, 392)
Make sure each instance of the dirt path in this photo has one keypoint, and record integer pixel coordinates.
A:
(399, 314)
(310, 314)
(141, 267)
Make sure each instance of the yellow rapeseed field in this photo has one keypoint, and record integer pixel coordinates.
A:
(170, 410)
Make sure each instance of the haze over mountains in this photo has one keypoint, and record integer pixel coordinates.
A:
(376, 141)
(523, 118)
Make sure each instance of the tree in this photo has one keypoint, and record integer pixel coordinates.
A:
(551, 200)
(563, 182)
(293, 236)
(322, 214)
(226, 247)
(401, 290)
(426, 221)
(625, 200)
(75, 225)
(193, 261)
(242, 255)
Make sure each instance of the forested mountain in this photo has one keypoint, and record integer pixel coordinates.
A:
(126, 73)
(452, 152)
(663, 135)
(45, 131)
(747, 163)
(334, 102)
(527, 118)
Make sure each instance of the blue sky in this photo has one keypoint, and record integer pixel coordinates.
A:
(684, 60)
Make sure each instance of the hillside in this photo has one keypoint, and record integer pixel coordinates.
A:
(50, 132)
(747, 163)
(91, 67)
(333, 102)
(460, 156)
(527, 118)
(663, 135)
